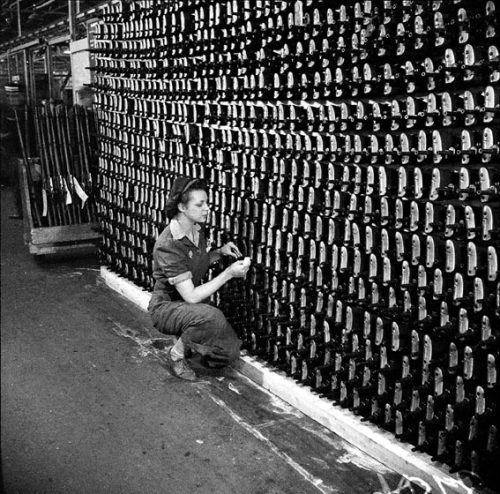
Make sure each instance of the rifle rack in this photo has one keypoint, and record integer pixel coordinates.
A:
(52, 239)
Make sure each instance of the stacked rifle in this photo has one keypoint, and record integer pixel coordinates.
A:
(64, 138)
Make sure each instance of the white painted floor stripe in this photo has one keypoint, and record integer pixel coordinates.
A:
(316, 482)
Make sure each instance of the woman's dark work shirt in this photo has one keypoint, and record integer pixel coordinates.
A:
(176, 259)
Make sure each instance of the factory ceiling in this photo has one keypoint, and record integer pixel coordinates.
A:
(19, 18)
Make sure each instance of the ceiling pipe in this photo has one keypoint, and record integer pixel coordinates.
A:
(19, 32)
(11, 46)
(71, 19)
(40, 6)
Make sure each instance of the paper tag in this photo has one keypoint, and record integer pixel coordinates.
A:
(69, 200)
(44, 202)
(80, 192)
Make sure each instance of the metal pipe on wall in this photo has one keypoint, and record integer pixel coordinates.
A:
(19, 32)
(71, 19)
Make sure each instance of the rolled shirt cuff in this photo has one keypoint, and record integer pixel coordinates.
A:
(180, 278)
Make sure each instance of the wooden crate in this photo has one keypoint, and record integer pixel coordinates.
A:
(53, 239)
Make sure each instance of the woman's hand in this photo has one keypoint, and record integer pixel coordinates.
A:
(238, 269)
(230, 249)
(194, 295)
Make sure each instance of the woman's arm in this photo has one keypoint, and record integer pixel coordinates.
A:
(195, 295)
(228, 249)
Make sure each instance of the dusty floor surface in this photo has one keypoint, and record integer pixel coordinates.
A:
(88, 407)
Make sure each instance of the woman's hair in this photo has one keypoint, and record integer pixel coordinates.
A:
(183, 196)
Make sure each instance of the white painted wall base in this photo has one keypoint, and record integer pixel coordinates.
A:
(126, 288)
(375, 442)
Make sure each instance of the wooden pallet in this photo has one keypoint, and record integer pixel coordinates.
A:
(75, 238)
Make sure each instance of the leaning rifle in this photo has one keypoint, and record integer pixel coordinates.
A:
(84, 145)
(46, 179)
(67, 160)
(61, 187)
(31, 186)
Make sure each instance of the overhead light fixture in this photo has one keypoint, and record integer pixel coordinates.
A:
(34, 14)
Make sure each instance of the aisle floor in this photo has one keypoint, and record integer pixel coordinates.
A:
(88, 407)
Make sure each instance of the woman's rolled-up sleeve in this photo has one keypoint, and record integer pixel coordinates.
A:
(172, 260)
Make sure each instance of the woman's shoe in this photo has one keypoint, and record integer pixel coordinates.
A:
(180, 368)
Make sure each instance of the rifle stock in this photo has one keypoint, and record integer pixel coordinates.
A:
(31, 186)
(46, 181)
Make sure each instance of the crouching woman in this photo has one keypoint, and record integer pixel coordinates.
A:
(178, 304)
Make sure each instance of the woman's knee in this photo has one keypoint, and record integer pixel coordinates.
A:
(164, 319)
(212, 314)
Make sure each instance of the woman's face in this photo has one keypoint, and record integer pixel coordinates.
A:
(196, 208)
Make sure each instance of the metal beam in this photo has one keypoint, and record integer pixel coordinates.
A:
(18, 5)
(48, 2)
(71, 19)
(58, 39)
(48, 62)
(80, 15)
(10, 51)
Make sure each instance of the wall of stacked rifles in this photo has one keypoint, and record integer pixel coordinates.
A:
(352, 151)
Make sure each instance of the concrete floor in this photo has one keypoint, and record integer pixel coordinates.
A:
(88, 407)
